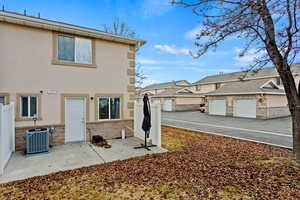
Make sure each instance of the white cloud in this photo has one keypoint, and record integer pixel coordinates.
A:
(191, 34)
(249, 56)
(172, 49)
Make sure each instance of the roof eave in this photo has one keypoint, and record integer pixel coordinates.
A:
(245, 93)
(15, 18)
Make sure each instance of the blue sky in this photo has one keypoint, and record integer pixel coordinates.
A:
(169, 31)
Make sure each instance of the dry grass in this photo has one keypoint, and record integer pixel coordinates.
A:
(198, 166)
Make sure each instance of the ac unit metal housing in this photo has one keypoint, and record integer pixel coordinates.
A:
(37, 141)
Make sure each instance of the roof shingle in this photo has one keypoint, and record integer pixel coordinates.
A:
(235, 76)
(245, 87)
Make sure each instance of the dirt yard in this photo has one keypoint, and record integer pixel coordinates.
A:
(198, 166)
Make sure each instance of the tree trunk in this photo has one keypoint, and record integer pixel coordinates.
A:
(294, 103)
(296, 133)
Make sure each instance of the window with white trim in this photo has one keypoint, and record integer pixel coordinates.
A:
(74, 49)
(109, 108)
(29, 106)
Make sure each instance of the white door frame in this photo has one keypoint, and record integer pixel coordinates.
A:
(84, 114)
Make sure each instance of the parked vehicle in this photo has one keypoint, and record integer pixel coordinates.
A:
(202, 108)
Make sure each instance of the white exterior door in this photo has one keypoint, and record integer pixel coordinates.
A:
(167, 105)
(244, 108)
(75, 119)
(217, 107)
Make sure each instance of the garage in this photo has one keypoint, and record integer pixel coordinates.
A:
(157, 101)
(217, 107)
(244, 108)
(167, 106)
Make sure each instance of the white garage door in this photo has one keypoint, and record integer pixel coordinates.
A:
(167, 105)
(244, 108)
(217, 107)
(156, 101)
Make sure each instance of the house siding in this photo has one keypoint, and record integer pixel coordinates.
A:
(27, 67)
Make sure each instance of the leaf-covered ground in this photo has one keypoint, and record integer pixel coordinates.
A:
(198, 166)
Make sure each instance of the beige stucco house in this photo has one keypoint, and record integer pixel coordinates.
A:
(240, 94)
(79, 80)
(173, 96)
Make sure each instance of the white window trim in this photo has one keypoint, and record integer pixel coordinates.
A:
(109, 114)
(29, 112)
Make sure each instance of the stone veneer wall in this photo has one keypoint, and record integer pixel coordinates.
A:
(131, 80)
(107, 129)
(273, 112)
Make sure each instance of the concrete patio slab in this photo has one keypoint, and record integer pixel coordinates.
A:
(124, 149)
(71, 156)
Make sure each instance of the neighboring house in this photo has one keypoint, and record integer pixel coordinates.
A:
(261, 99)
(78, 80)
(173, 96)
(157, 88)
(223, 92)
(182, 99)
(211, 83)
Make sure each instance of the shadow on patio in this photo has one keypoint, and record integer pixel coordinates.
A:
(71, 156)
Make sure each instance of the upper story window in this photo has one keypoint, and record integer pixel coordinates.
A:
(75, 51)
(218, 85)
(198, 87)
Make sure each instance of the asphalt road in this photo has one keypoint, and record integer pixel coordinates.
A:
(272, 131)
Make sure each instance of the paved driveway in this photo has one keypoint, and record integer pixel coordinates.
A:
(272, 131)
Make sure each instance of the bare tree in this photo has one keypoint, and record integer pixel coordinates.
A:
(122, 29)
(119, 28)
(140, 77)
(269, 26)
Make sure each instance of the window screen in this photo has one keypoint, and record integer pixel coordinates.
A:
(66, 48)
(103, 108)
(24, 102)
(83, 50)
(115, 108)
